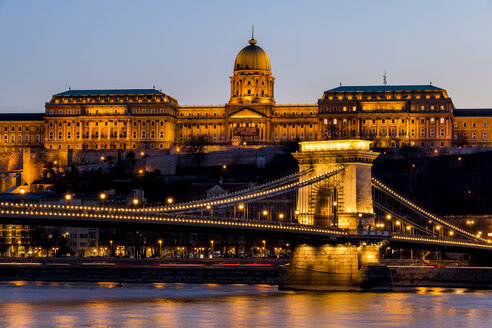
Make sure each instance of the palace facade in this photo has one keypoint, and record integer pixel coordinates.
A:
(389, 115)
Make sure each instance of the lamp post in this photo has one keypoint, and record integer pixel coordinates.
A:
(102, 197)
(212, 247)
(170, 200)
(135, 202)
(160, 247)
(111, 248)
(68, 197)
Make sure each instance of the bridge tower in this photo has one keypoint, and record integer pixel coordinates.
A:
(344, 200)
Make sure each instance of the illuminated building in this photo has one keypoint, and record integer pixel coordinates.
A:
(390, 116)
(21, 130)
(473, 127)
(110, 119)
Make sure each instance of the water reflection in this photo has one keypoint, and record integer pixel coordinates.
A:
(181, 305)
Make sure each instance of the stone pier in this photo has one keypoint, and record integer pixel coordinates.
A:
(337, 267)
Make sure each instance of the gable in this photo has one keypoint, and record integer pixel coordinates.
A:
(246, 113)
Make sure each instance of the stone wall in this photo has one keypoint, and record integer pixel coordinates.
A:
(143, 274)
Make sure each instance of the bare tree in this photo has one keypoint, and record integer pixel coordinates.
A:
(196, 147)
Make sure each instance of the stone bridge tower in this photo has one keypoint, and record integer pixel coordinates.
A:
(345, 199)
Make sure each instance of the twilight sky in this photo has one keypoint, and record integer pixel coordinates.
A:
(187, 48)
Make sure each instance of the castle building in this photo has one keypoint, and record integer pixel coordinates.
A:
(389, 115)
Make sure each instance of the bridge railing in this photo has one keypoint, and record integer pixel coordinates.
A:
(421, 211)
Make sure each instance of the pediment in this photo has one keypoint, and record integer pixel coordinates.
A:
(246, 113)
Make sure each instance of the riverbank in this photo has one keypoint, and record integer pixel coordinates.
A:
(219, 271)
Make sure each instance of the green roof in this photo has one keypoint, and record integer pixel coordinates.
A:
(472, 112)
(427, 87)
(110, 92)
(21, 116)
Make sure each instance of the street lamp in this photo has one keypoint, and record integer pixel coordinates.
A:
(135, 201)
(281, 216)
(68, 197)
(212, 247)
(224, 166)
(22, 191)
(170, 200)
(160, 247)
(111, 248)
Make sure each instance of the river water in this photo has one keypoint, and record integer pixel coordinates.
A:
(31, 304)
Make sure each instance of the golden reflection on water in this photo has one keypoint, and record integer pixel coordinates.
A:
(211, 305)
(15, 314)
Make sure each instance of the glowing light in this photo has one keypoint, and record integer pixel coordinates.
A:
(68, 196)
(22, 190)
(135, 201)
(102, 196)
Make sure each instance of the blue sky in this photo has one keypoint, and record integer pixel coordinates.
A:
(187, 48)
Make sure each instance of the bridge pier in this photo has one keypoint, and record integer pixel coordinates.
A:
(337, 267)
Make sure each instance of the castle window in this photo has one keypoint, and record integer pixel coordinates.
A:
(59, 135)
(412, 133)
(474, 136)
(59, 124)
(152, 134)
(249, 92)
(474, 125)
(68, 124)
(335, 121)
(97, 123)
(422, 121)
(442, 132)
(432, 132)
(143, 134)
(465, 135)
(432, 107)
(441, 120)
(464, 124)
(422, 107)
(484, 136)
(143, 111)
(143, 123)
(152, 123)
(60, 112)
(5, 128)
(161, 135)
(422, 132)
(262, 93)
(68, 135)
(13, 128)
(134, 134)
(442, 107)
(5, 138)
(152, 111)
(51, 112)
(134, 111)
